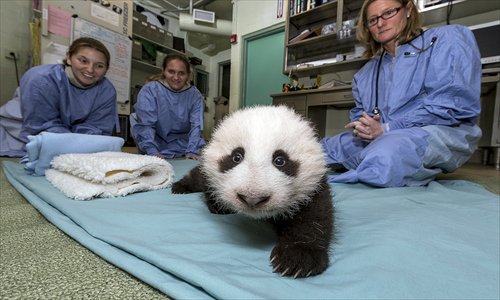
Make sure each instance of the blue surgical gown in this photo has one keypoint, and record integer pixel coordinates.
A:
(49, 102)
(429, 98)
(169, 123)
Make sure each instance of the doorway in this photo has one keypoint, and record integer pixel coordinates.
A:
(222, 100)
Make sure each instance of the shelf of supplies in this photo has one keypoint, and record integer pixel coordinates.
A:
(331, 39)
(167, 49)
(324, 11)
(461, 8)
(144, 66)
(304, 56)
(353, 64)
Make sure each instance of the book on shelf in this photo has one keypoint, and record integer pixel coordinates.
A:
(308, 33)
(299, 6)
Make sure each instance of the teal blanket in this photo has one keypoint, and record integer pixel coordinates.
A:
(439, 241)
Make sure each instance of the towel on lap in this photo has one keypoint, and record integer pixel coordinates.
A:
(42, 148)
(83, 176)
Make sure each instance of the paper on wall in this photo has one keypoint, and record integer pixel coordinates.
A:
(54, 53)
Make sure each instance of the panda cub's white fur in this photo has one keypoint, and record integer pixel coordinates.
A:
(267, 163)
(261, 131)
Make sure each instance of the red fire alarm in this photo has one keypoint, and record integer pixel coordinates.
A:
(234, 38)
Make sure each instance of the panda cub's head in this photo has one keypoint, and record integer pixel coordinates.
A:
(263, 162)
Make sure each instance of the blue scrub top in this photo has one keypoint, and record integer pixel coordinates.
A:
(438, 86)
(169, 123)
(429, 102)
(49, 102)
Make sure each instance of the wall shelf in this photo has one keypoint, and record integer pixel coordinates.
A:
(144, 66)
(166, 49)
(327, 47)
(302, 57)
(461, 8)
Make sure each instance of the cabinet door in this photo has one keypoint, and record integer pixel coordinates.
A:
(297, 102)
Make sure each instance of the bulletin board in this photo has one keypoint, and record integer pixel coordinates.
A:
(120, 50)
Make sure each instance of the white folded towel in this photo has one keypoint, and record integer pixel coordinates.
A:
(84, 176)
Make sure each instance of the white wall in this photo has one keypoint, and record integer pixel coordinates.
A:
(14, 36)
(249, 16)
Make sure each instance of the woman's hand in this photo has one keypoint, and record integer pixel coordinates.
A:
(367, 128)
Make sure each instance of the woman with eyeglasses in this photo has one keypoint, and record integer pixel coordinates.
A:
(416, 100)
(168, 118)
(71, 97)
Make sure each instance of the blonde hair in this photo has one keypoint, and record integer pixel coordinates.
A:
(413, 27)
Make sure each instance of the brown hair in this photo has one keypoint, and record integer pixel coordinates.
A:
(413, 27)
(168, 59)
(88, 42)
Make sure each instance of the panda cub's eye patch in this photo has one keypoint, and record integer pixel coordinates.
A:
(282, 162)
(228, 162)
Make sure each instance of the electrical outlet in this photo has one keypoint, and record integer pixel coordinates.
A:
(9, 54)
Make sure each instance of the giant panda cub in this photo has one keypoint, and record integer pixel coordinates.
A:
(265, 162)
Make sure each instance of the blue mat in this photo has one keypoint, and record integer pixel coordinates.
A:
(440, 241)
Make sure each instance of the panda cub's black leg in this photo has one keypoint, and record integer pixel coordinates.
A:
(193, 182)
(303, 241)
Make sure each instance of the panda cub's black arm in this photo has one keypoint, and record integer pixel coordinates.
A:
(193, 182)
(304, 239)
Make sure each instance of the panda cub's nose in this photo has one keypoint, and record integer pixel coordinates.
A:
(253, 202)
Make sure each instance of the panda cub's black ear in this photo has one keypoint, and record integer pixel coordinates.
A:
(230, 161)
(282, 161)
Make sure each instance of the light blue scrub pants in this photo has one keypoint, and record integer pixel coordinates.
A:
(403, 157)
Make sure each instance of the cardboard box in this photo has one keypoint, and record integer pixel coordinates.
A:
(160, 56)
(137, 50)
(137, 23)
(140, 17)
(179, 44)
(153, 33)
(141, 28)
(168, 39)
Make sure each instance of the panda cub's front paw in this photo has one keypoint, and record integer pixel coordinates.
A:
(179, 188)
(293, 261)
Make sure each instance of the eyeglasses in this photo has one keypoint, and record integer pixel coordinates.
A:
(386, 16)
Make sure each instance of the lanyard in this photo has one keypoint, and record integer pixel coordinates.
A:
(376, 110)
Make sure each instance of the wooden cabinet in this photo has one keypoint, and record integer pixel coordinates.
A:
(147, 65)
(159, 43)
(149, 42)
(321, 39)
(297, 102)
(313, 104)
(328, 30)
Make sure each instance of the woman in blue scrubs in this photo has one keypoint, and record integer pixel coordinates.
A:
(169, 113)
(70, 97)
(417, 100)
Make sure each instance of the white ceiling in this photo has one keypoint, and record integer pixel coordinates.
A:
(210, 44)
